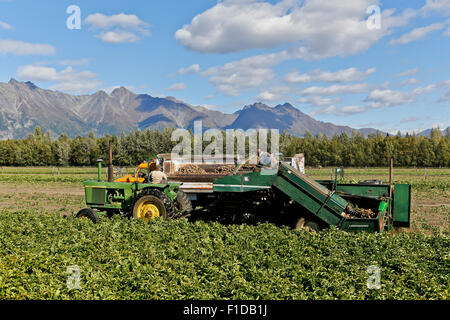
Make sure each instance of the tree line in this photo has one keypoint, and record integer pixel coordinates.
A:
(355, 150)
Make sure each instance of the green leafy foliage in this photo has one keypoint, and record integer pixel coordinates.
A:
(122, 259)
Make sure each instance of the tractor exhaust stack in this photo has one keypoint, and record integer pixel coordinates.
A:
(110, 166)
(99, 161)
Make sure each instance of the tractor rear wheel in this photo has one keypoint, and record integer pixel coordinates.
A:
(88, 213)
(152, 204)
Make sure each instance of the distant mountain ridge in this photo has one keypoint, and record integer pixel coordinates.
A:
(23, 106)
(427, 133)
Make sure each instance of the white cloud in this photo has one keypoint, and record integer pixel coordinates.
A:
(67, 80)
(119, 36)
(77, 86)
(78, 62)
(177, 87)
(418, 33)
(5, 26)
(339, 111)
(125, 21)
(349, 110)
(424, 90)
(50, 74)
(409, 81)
(439, 6)
(410, 119)
(319, 101)
(273, 94)
(388, 98)
(345, 75)
(119, 28)
(324, 28)
(195, 68)
(239, 25)
(335, 90)
(247, 73)
(447, 32)
(446, 96)
(381, 98)
(326, 111)
(267, 96)
(408, 73)
(20, 48)
(232, 26)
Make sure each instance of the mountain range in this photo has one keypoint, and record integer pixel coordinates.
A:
(23, 106)
(427, 133)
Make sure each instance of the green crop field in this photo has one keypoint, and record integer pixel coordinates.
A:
(181, 260)
(123, 259)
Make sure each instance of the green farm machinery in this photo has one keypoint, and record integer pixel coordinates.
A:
(280, 192)
(143, 201)
(315, 204)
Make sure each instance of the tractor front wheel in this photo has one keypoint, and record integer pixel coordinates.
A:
(88, 213)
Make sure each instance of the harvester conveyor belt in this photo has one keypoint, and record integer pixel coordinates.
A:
(318, 200)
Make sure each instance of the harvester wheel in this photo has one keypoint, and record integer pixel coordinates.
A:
(308, 225)
(152, 204)
(184, 203)
(300, 224)
(312, 226)
(88, 213)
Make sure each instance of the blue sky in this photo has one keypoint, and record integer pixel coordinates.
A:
(321, 56)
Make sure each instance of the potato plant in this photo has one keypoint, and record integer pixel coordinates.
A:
(126, 259)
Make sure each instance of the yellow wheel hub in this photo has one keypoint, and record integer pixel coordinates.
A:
(148, 211)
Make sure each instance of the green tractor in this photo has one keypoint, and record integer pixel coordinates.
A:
(143, 201)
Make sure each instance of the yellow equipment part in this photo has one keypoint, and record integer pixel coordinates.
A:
(147, 211)
(130, 179)
(142, 168)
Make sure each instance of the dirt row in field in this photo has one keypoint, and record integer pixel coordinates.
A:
(47, 189)
(62, 198)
